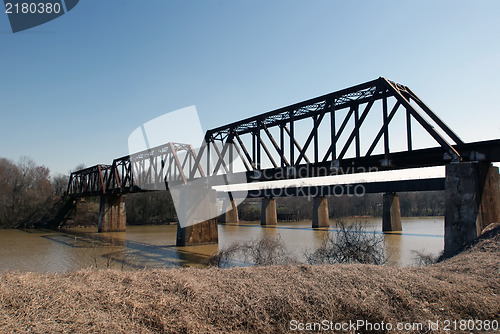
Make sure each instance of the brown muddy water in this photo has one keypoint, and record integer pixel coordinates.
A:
(154, 246)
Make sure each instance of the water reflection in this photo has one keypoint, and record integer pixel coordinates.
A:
(154, 246)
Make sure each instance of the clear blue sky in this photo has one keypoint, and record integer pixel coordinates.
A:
(72, 90)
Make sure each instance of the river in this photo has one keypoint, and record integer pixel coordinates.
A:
(154, 246)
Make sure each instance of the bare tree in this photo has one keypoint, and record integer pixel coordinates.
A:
(351, 244)
(26, 191)
(268, 250)
(77, 168)
(59, 184)
(422, 259)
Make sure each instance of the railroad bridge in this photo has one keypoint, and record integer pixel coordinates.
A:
(344, 132)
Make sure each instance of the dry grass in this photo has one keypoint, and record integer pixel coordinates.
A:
(251, 299)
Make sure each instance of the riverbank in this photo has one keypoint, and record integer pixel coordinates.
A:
(253, 299)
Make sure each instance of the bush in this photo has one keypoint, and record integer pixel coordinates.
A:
(423, 259)
(351, 244)
(267, 250)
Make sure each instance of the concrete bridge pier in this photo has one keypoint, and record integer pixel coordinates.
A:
(198, 206)
(231, 216)
(112, 214)
(203, 233)
(391, 215)
(472, 201)
(268, 214)
(320, 216)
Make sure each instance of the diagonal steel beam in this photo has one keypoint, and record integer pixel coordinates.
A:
(430, 129)
(250, 160)
(355, 131)
(339, 133)
(178, 163)
(382, 130)
(221, 155)
(311, 136)
(296, 145)
(240, 155)
(435, 117)
(276, 146)
(267, 152)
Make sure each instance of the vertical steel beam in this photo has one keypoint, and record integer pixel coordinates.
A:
(254, 150)
(291, 134)
(315, 133)
(333, 144)
(207, 140)
(408, 130)
(282, 146)
(356, 130)
(231, 152)
(259, 160)
(386, 128)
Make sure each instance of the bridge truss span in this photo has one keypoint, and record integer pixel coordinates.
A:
(148, 170)
(335, 135)
(348, 131)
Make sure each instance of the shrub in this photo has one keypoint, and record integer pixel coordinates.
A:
(351, 244)
(267, 250)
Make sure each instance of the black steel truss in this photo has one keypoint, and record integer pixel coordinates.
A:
(286, 151)
(89, 181)
(288, 156)
(147, 170)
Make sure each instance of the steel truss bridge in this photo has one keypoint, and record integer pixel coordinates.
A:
(327, 135)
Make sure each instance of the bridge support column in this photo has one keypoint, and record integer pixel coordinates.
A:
(268, 214)
(203, 233)
(231, 216)
(391, 215)
(112, 214)
(320, 212)
(472, 201)
(195, 209)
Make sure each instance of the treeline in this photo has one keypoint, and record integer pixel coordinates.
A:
(28, 193)
(412, 204)
(31, 197)
(152, 208)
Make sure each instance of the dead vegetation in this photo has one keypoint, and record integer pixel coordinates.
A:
(266, 251)
(422, 259)
(351, 244)
(253, 299)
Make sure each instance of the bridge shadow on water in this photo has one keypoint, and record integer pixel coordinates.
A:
(128, 253)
